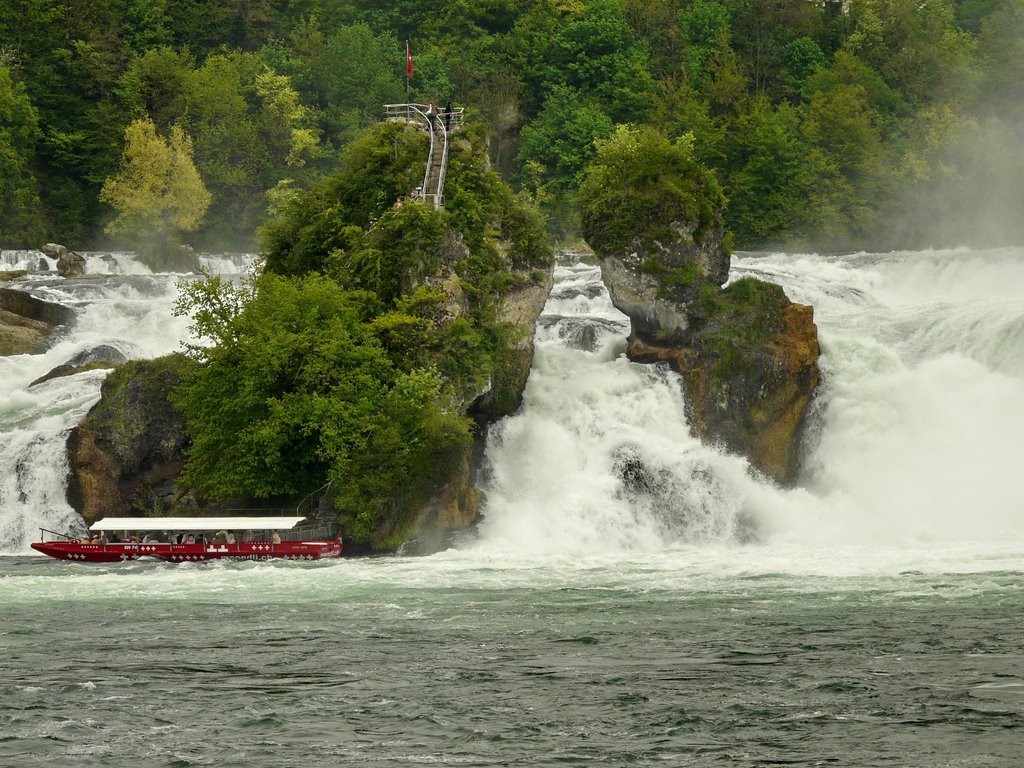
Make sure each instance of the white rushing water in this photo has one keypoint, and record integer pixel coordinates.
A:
(915, 437)
(119, 303)
(911, 454)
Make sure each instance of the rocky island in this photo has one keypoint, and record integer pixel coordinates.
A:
(747, 354)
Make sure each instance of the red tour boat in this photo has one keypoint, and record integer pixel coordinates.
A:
(189, 539)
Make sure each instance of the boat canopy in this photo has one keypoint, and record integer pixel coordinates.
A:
(196, 523)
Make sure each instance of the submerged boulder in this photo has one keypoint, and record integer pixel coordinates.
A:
(101, 356)
(26, 322)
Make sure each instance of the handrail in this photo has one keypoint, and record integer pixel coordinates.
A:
(419, 113)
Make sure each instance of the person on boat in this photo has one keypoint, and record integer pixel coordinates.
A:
(190, 539)
(275, 537)
(231, 538)
(221, 537)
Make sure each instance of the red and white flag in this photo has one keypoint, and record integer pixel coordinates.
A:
(408, 60)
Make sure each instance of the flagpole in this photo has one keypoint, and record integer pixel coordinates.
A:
(408, 73)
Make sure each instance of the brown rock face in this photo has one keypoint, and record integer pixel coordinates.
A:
(457, 505)
(747, 355)
(454, 509)
(27, 322)
(520, 308)
(127, 452)
(757, 409)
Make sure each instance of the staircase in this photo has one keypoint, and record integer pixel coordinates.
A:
(432, 190)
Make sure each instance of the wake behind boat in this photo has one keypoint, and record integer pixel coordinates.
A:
(189, 539)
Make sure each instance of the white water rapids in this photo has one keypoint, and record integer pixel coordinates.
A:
(914, 439)
(120, 303)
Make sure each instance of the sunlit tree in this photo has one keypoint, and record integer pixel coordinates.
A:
(158, 194)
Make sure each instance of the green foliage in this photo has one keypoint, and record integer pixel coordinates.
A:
(158, 194)
(561, 139)
(22, 222)
(594, 52)
(378, 168)
(770, 184)
(299, 388)
(353, 356)
(273, 93)
(737, 320)
(705, 28)
(640, 183)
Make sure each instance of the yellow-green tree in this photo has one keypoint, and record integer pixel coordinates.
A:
(157, 193)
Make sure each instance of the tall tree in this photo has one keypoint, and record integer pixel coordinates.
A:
(157, 194)
(22, 220)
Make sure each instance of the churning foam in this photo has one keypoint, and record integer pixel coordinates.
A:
(914, 437)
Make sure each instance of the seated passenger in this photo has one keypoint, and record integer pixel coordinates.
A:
(231, 538)
(190, 539)
(221, 537)
(275, 537)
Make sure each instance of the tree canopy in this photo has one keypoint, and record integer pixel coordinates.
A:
(272, 94)
(157, 194)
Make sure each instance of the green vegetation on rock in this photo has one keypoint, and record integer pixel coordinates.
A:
(354, 357)
(641, 185)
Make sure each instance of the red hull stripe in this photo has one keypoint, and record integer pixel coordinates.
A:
(180, 553)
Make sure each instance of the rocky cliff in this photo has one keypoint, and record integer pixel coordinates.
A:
(125, 456)
(747, 354)
(457, 505)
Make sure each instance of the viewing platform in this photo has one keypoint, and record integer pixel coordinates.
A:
(439, 126)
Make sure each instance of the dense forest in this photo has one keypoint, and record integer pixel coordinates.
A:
(828, 123)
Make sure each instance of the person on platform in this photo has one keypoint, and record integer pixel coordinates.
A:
(432, 115)
(448, 114)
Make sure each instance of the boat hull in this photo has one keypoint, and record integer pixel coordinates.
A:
(189, 553)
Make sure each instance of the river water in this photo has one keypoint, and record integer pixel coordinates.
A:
(631, 597)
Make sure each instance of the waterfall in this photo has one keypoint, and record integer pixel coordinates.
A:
(600, 456)
(914, 436)
(119, 303)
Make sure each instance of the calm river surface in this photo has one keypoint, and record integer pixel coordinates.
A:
(742, 656)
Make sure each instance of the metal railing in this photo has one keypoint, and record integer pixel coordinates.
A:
(444, 122)
(318, 524)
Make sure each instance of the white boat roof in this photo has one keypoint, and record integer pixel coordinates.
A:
(196, 523)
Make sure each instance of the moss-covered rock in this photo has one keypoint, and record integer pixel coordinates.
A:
(748, 356)
(26, 322)
(125, 456)
(749, 392)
